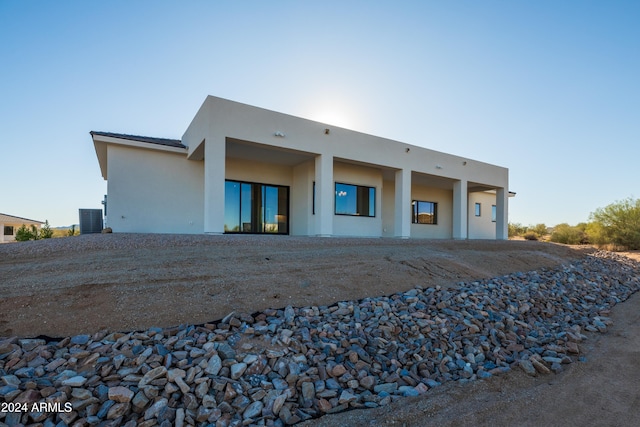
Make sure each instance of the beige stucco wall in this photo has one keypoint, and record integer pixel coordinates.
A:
(260, 172)
(444, 198)
(302, 217)
(219, 118)
(152, 191)
(481, 227)
(346, 225)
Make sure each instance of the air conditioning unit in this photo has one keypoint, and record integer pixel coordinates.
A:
(90, 221)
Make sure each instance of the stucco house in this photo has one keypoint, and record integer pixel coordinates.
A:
(244, 169)
(9, 225)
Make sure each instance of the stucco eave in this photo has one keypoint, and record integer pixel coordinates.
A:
(100, 143)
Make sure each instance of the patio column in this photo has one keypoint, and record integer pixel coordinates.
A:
(402, 217)
(460, 210)
(502, 214)
(214, 175)
(325, 195)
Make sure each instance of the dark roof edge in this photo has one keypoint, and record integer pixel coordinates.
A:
(24, 219)
(160, 141)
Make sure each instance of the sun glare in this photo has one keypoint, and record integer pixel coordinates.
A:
(333, 117)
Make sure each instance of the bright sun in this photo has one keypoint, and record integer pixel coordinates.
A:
(334, 117)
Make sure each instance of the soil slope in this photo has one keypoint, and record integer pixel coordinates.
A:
(124, 282)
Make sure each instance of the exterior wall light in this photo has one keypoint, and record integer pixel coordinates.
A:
(279, 134)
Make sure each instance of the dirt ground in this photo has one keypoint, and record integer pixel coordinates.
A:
(125, 282)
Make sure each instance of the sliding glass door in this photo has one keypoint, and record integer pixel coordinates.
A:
(256, 208)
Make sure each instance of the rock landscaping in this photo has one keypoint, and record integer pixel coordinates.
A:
(282, 366)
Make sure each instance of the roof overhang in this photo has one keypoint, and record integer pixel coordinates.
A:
(11, 219)
(101, 141)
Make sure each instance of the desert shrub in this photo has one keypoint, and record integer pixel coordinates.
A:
(597, 236)
(539, 229)
(31, 233)
(530, 235)
(619, 223)
(569, 235)
(72, 231)
(46, 232)
(23, 234)
(516, 229)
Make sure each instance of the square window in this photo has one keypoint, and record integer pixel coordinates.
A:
(8, 230)
(356, 200)
(424, 212)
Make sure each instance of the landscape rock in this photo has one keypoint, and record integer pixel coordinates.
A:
(282, 366)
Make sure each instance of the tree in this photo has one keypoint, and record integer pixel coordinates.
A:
(23, 234)
(35, 233)
(46, 232)
(619, 223)
(71, 231)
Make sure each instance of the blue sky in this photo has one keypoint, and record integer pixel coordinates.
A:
(549, 89)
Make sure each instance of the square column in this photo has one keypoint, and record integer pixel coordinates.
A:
(502, 214)
(325, 195)
(460, 210)
(402, 217)
(214, 175)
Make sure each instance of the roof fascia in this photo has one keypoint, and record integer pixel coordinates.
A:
(100, 143)
(139, 144)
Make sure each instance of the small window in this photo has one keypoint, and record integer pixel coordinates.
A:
(8, 230)
(477, 209)
(313, 201)
(355, 200)
(494, 213)
(424, 212)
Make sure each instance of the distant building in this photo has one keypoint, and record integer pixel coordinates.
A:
(9, 224)
(243, 169)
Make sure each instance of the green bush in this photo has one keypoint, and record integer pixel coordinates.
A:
(530, 235)
(618, 223)
(46, 232)
(516, 229)
(569, 235)
(23, 234)
(71, 231)
(540, 230)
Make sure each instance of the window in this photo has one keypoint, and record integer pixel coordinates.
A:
(256, 208)
(313, 201)
(477, 209)
(424, 212)
(494, 213)
(8, 230)
(355, 200)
